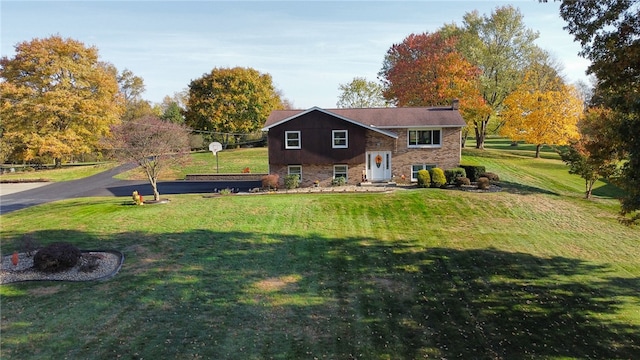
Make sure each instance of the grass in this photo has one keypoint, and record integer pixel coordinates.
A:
(65, 173)
(533, 272)
(231, 161)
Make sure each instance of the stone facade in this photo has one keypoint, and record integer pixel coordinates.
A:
(445, 157)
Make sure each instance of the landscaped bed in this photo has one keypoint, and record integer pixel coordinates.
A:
(93, 265)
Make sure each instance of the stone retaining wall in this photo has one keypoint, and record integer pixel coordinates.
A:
(225, 177)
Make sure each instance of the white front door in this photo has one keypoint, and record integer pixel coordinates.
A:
(378, 165)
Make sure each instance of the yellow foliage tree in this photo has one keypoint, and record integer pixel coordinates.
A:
(547, 116)
(57, 99)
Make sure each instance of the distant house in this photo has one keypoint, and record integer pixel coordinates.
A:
(363, 145)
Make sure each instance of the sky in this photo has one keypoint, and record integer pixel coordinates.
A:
(309, 48)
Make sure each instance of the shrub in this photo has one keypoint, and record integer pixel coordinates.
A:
(29, 245)
(437, 177)
(424, 179)
(291, 181)
(339, 181)
(491, 176)
(473, 171)
(462, 181)
(270, 181)
(226, 191)
(453, 174)
(56, 257)
(483, 183)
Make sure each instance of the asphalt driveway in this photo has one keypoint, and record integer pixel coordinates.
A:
(104, 184)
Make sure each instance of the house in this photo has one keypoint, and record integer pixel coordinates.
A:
(363, 145)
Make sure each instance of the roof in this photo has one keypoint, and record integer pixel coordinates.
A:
(380, 118)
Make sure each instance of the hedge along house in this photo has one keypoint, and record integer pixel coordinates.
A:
(363, 145)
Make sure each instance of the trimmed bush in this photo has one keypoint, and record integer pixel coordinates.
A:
(437, 177)
(56, 257)
(424, 179)
(462, 181)
(483, 183)
(270, 181)
(491, 176)
(473, 171)
(292, 181)
(339, 181)
(453, 174)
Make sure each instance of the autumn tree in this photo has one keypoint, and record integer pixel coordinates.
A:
(57, 99)
(427, 70)
(542, 113)
(361, 93)
(502, 47)
(231, 101)
(609, 32)
(132, 87)
(152, 143)
(595, 155)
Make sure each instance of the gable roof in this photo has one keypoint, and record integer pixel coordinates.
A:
(378, 119)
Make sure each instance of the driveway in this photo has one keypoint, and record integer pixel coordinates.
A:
(103, 184)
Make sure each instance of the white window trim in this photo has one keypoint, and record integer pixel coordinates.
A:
(424, 146)
(346, 171)
(286, 140)
(295, 166)
(346, 139)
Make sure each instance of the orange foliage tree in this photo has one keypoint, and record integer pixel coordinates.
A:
(542, 116)
(57, 99)
(427, 70)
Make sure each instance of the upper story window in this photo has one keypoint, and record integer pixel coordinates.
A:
(340, 139)
(292, 140)
(425, 138)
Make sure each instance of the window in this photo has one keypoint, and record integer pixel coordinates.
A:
(340, 139)
(292, 140)
(340, 171)
(418, 167)
(295, 170)
(424, 138)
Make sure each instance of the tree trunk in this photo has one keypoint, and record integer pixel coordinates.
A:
(538, 147)
(58, 163)
(481, 132)
(156, 194)
(589, 188)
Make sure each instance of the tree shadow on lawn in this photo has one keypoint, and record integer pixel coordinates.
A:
(516, 188)
(230, 295)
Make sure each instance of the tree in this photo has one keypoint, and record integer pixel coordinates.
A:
(132, 87)
(542, 116)
(609, 32)
(231, 100)
(502, 47)
(57, 99)
(427, 70)
(152, 143)
(173, 113)
(361, 93)
(594, 155)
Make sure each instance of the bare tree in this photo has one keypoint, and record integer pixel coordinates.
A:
(152, 143)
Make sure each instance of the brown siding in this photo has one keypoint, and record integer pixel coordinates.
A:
(315, 131)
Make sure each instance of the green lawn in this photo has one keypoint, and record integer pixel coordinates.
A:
(66, 173)
(532, 272)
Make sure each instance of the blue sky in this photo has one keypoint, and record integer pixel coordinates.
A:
(308, 47)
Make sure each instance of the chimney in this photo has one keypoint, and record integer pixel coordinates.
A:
(455, 104)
